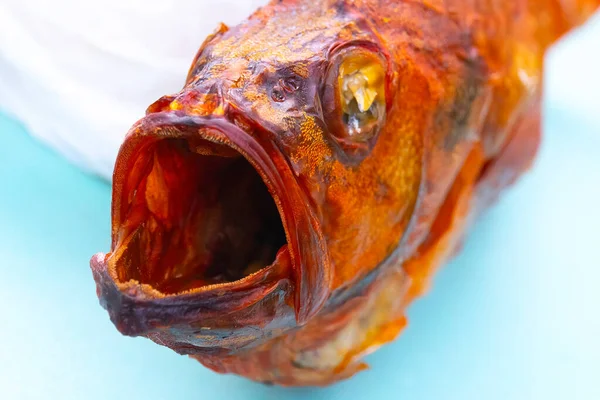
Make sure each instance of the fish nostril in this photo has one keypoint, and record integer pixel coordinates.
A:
(290, 84)
(277, 94)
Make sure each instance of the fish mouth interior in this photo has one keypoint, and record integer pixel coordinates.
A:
(198, 214)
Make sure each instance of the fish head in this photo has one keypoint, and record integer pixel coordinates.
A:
(283, 170)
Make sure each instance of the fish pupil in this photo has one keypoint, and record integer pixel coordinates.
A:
(361, 124)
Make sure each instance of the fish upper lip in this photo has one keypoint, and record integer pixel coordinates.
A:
(311, 273)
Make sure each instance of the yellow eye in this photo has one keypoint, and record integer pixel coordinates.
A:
(361, 89)
(355, 101)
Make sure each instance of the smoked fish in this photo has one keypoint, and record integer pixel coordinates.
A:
(275, 218)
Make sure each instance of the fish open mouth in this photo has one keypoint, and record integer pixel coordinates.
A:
(208, 215)
(199, 215)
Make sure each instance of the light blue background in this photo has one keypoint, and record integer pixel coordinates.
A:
(515, 316)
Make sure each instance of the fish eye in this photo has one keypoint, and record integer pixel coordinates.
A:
(355, 97)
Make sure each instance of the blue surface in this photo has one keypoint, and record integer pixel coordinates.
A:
(515, 316)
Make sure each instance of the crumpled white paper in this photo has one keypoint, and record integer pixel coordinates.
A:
(79, 73)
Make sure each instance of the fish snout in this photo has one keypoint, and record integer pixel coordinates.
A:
(204, 100)
(210, 231)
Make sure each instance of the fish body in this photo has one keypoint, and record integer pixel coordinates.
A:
(275, 218)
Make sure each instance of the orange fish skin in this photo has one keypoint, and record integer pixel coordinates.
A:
(367, 223)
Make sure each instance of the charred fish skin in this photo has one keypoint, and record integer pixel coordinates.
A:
(359, 139)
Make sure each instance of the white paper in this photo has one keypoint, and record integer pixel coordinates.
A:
(79, 73)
